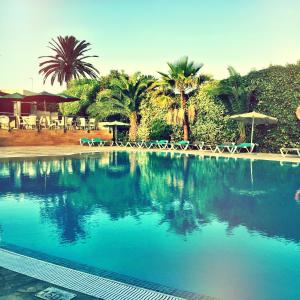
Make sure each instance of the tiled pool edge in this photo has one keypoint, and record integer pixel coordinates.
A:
(102, 273)
(89, 284)
(168, 293)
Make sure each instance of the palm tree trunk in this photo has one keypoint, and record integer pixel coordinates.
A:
(133, 126)
(68, 84)
(242, 132)
(186, 124)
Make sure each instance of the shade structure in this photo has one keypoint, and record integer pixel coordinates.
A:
(50, 98)
(45, 97)
(2, 93)
(12, 97)
(254, 118)
(115, 125)
(7, 102)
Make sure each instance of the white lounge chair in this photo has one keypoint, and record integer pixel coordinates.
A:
(285, 151)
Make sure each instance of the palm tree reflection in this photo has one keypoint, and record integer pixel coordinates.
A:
(186, 192)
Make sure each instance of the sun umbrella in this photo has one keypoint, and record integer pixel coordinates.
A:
(115, 125)
(13, 97)
(2, 93)
(45, 97)
(254, 118)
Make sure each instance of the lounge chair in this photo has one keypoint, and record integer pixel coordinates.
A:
(225, 147)
(181, 145)
(108, 142)
(198, 145)
(249, 147)
(140, 143)
(130, 144)
(285, 151)
(151, 144)
(202, 146)
(97, 142)
(85, 141)
(162, 144)
(119, 143)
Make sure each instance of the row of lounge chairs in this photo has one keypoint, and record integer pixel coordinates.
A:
(165, 144)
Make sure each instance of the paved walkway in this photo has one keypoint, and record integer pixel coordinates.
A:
(35, 151)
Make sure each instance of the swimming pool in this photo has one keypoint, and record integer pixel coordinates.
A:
(220, 227)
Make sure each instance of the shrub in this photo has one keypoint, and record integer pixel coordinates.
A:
(160, 130)
(212, 124)
(277, 91)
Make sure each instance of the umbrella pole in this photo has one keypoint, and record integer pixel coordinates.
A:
(251, 171)
(252, 130)
(65, 129)
(114, 133)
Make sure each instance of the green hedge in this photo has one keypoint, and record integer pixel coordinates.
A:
(212, 124)
(277, 92)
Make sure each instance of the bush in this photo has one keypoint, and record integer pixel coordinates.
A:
(212, 124)
(160, 130)
(149, 112)
(277, 91)
(86, 90)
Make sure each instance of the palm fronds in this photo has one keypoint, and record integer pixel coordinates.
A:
(68, 62)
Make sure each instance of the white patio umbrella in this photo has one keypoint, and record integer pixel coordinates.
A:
(254, 118)
(115, 125)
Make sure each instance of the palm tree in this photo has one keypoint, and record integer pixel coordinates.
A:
(183, 79)
(123, 98)
(68, 62)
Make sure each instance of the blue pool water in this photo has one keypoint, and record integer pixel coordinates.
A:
(221, 227)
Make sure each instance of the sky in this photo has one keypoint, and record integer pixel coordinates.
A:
(140, 35)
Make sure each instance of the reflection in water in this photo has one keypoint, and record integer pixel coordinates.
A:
(297, 196)
(223, 227)
(187, 192)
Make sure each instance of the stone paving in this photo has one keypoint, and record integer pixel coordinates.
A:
(14, 286)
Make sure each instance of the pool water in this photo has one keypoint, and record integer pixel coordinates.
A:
(228, 228)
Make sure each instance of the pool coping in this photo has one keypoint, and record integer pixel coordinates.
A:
(84, 282)
(125, 279)
(54, 151)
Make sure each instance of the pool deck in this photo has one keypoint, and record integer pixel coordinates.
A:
(38, 151)
(15, 286)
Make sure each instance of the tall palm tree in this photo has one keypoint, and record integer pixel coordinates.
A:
(68, 62)
(183, 78)
(123, 98)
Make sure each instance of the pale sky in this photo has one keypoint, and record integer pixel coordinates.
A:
(140, 35)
